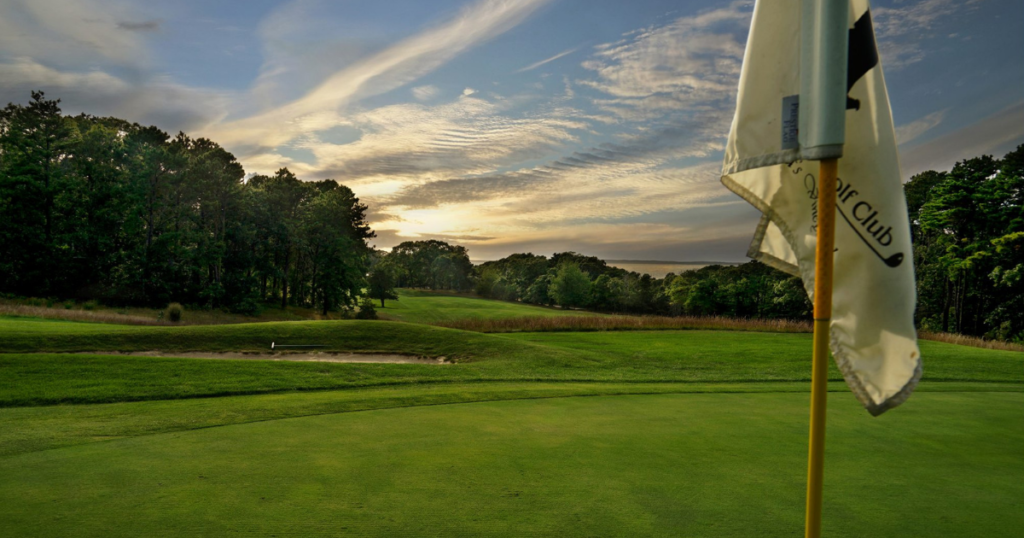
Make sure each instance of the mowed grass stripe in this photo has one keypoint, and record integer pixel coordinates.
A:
(28, 429)
(667, 465)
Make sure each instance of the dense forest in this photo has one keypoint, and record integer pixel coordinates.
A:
(100, 208)
(968, 231)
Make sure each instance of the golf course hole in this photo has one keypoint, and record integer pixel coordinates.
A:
(313, 356)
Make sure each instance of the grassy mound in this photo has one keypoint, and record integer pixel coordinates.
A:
(637, 356)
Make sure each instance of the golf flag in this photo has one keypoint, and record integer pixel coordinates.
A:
(872, 335)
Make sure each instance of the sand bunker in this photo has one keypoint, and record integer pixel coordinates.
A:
(316, 356)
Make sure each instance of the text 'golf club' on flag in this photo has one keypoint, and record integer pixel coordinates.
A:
(872, 331)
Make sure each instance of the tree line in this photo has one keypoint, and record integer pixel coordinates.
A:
(572, 280)
(101, 208)
(967, 226)
(968, 233)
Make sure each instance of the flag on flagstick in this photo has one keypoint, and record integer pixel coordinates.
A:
(872, 335)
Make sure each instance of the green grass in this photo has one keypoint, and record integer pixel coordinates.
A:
(683, 433)
(416, 306)
(29, 429)
(656, 356)
(944, 464)
(16, 325)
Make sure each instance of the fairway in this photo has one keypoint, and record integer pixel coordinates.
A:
(417, 306)
(670, 465)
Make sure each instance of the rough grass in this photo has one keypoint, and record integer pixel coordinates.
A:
(972, 341)
(624, 323)
(43, 312)
(152, 316)
(723, 465)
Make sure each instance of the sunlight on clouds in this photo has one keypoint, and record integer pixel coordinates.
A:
(423, 143)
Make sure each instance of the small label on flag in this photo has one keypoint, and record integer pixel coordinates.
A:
(790, 121)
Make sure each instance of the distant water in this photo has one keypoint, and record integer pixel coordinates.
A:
(659, 269)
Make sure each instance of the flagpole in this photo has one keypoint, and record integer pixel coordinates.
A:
(823, 264)
(822, 128)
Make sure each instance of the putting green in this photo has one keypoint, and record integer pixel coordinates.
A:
(943, 464)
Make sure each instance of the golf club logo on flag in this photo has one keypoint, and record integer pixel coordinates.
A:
(872, 335)
(823, 88)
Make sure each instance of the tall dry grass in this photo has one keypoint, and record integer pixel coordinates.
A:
(624, 323)
(972, 341)
(76, 315)
(152, 316)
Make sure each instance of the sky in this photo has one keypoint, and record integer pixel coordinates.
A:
(502, 125)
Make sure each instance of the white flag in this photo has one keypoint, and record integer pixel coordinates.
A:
(873, 339)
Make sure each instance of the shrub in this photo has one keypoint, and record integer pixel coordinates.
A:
(174, 311)
(366, 309)
(68, 305)
(90, 305)
(249, 306)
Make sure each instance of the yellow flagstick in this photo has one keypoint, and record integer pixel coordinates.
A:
(822, 129)
(822, 317)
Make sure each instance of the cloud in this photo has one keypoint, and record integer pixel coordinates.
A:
(689, 62)
(671, 89)
(468, 91)
(994, 135)
(157, 101)
(69, 34)
(900, 31)
(911, 131)
(424, 93)
(383, 71)
(417, 143)
(535, 65)
(141, 26)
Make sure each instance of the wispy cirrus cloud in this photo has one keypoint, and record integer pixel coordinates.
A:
(992, 135)
(545, 61)
(690, 62)
(425, 93)
(911, 131)
(139, 26)
(669, 108)
(901, 31)
(383, 71)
